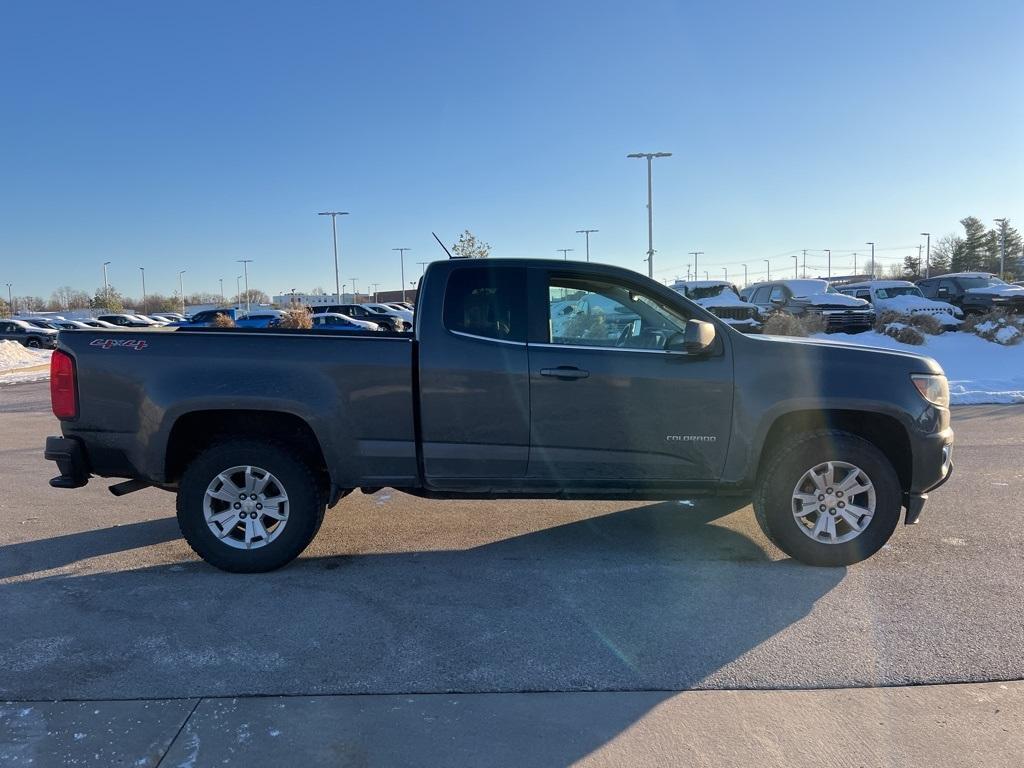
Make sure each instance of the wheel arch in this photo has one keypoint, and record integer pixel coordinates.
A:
(882, 430)
(194, 431)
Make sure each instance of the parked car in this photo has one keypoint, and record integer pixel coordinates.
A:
(359, 312)
(488, 400)
(808, 298)
(334, 321)
(170, 317)
(125, 320)
(402, 314)
(259, 318)
(28, 334)
(206, 318)
(974, 292)
(152, 319)
(41, 322)
(94, 323)
(71, 325)
(904, 297)
(723, 300)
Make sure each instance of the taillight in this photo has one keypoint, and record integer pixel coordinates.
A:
(63, 390)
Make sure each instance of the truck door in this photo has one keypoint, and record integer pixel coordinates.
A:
(474, 383)
(608, 403)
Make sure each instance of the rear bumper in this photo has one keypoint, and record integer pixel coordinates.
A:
(72, 464)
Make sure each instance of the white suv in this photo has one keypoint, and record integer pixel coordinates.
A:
(904, 297)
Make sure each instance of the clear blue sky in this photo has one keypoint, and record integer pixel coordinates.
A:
(186, 135)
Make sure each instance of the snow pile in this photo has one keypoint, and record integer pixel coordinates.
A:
(999, 290)
(978, 370)
(834, 300)
(725, 299)
(15, 359)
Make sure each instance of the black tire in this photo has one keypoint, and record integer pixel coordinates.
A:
(34, 343)
(773, 497)
(306, 504)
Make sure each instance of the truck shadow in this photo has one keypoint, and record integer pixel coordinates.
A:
(654, 598)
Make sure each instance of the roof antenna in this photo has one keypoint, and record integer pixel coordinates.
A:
(442, 245)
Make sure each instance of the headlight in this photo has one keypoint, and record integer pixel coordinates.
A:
(934, 387)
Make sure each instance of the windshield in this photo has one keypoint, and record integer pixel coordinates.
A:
(707, 292)
(901, 290)
(980, 282)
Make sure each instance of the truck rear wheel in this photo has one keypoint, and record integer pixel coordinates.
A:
(830, 499)
(249, 506)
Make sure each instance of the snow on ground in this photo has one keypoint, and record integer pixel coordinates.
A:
(19, 364)
(979, 371)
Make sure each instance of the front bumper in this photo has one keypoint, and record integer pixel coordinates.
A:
(933, 466)
(71, 462)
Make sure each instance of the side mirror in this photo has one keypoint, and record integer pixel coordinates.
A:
(777, 302)
(697, 339)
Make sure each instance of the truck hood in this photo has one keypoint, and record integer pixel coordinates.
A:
(1010, 291)
(837, 300)
(831, 350)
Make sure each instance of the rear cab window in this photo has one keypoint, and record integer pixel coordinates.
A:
(487, 302)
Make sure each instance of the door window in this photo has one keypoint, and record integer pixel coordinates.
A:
(488, 302)
(761, 295)
(593, 313)
(778, 294)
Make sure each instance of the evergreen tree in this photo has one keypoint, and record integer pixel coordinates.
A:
(1010, 239)
(911, 267)
(977, 246)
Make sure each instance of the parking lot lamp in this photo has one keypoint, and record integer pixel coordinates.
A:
(245, 274)
(334, 232)
(650, 207)
(221, 279)
(353, 279)
(744, 275)
(796, 259)
(769, 264)
(238, 291)
(106, 287)
(375, 287)
(726, 273)
(927, 255)
(586, 233)
(565, 252)
(143, 271)
(181, 290)
(401, 264)
(10, 300)
(695, 254)
(829, 252)
(872, 259)
(1002, 246)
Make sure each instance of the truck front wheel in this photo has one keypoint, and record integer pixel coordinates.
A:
(249, 506)
(830, 498)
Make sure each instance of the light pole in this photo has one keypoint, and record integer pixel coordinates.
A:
(565, 252)
(829, 252)
(650, 206)
(927, 255)
(143, 271)
(401, 261)
(238, 292)
(586, 233)
(707, 275)
(106, 288)
(726, 273)
(1002, 246)
(353, 279)
(872, 259)
(221, 279)
(795, 266)
(181, 290)
(745, 276)
(334, 232)
(375, 287)
(245, 273)
(805, 263)
(695, 254)
(855, 262)
(423, 267)
(766, 261)
(10, 300)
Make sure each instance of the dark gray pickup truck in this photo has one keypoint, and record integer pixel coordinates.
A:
(524, 378)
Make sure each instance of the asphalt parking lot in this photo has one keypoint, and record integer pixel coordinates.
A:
(102, 600)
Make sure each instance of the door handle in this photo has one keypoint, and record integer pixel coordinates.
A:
(565, 372)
